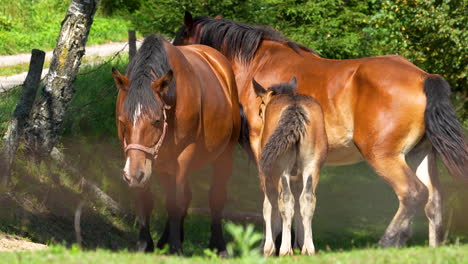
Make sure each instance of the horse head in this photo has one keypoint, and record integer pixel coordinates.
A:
(142, 125)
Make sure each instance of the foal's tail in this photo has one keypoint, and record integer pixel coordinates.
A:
(291, 126)
(442, 127)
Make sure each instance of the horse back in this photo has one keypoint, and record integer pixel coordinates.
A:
(351, 92)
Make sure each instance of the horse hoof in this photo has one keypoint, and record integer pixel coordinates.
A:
(176, 250)
(288, 252)
(144, 246)
(223, 254)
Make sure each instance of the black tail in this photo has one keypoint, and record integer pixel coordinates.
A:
(244, 138)
(442, 127)
(291, 127)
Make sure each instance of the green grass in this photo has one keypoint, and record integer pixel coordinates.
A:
(446, 254)
(26, 24)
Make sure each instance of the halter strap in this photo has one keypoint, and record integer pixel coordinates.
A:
(153, 151)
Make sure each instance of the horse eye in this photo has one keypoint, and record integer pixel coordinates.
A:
(156, 122)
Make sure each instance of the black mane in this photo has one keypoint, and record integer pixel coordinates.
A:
(151, 57)
(235, 39)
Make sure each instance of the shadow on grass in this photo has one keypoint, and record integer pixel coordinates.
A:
(353, 204)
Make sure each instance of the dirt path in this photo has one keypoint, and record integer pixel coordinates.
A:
(8, 82)
(13, 243)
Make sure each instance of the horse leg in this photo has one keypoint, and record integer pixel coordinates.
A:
(164, 180)
(310, 179)
(270, 215)
(423, 161)
(410, 191)
(286, 209)
(222, 171)
(177, 210)
(144, 206)
(296, 187)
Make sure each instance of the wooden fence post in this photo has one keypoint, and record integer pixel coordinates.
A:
(21, 114)
(131, 44)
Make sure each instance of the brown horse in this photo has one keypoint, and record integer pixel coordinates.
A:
(383, 110)
(177, 110)
(293, 148)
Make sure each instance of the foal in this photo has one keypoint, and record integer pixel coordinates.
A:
(293, 148)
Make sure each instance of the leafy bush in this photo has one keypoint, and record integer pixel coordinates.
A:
(245, 240)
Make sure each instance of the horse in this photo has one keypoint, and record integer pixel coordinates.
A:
(293, 148)
(383, 110)
(177, 110)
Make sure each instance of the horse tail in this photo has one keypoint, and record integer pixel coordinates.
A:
(442, 127)
(291, 127)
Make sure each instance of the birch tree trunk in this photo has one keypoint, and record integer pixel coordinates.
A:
(49, 110)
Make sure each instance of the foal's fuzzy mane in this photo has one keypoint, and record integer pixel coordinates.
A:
(151, 57)
(236, 39)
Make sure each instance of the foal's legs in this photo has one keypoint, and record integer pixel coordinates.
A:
(222, 171)
(423, 161)
(144, 206)
(286, 208)
(270, 214)
(307, 201)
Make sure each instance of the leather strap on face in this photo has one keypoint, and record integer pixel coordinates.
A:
(153, 151)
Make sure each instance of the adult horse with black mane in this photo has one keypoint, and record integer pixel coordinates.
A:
(383, 110)
(177, 110)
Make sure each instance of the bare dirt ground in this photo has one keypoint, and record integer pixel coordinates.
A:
(14, 243)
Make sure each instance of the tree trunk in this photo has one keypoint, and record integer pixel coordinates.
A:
(49, 111)
(21, 115)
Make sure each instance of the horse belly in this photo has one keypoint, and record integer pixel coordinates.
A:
(343, 155)
(341, 147)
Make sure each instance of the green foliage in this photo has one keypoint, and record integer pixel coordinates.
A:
(331, 27)
(431, 33)
(245, 240)
(8, 101)
(166, 16)
(123, 7)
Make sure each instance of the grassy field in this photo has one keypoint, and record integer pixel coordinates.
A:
(26, 24)
(446, 254)
(353, 207)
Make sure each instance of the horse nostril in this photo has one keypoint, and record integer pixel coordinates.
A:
(126, 178)
(140, 176)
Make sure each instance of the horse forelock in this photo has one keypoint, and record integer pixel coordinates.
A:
(236, 40)
(149, 62)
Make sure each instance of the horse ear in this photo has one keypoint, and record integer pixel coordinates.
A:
(259, 90)
(121, 81)
(293, 82)
(218, 17)
(161, 85)
(188, 20)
